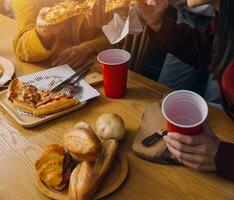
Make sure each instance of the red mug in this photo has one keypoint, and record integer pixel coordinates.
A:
(185, 112)
(115, 71)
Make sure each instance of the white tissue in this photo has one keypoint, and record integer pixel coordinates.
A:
(119, 27)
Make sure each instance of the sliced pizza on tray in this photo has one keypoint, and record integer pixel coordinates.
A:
(29, 99)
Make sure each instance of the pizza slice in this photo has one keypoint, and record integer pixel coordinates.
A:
(29, 99)
(115, 4)
(65, 10)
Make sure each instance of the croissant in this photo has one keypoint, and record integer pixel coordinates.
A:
(54, 166)
(82, 142)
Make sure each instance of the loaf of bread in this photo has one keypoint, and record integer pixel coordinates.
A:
(83, 142)
(87, 176)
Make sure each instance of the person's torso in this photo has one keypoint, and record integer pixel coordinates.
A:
(227, 88)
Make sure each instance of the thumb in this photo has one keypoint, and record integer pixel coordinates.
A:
(43, 11)
(206, 129)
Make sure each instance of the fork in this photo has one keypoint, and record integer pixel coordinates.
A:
(3, 86)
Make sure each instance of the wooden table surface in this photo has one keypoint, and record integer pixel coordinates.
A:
(19, 147)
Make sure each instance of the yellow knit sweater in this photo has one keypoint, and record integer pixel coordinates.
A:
(27, 44)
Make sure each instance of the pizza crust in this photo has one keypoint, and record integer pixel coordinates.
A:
(115, 4)
(55, 106)
(49, 108)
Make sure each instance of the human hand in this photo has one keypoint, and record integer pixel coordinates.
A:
(75, 56)
(196, 152)
(44, 31)
(195, 3)
(153, 14)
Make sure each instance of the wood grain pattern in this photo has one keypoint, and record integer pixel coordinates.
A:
(19, 147)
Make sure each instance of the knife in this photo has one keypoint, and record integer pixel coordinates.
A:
(147, 142)
(72, 79)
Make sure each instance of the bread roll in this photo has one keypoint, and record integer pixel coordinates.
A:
(87, 176)
(110, 126)
(83, 142)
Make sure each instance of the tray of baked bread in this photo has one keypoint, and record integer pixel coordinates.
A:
(87, 166)
(30, 102)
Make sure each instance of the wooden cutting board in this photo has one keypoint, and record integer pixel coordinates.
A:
(94, 78)
(152, 121)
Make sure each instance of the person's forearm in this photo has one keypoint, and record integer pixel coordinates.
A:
(46, 39)
(100, 43)
(225, 160)
(28, 47)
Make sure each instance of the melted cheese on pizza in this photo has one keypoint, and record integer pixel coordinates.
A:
(30, 94)
(67, 9)
(115, 4)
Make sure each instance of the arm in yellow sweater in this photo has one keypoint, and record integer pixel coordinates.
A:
(27, 44)
(29, 47)
(101, 43)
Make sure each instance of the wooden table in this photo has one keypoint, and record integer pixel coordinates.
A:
(19, 147)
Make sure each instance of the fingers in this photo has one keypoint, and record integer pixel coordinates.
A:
(70, 57)
(197, 166)
(40, 20)
(186, 139)
(63, 57)
(76, 62)
(207, 130)
(184, 147)
(44, 11)
(196, 158)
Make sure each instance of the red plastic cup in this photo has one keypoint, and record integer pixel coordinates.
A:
(115, 71)
(185, 112)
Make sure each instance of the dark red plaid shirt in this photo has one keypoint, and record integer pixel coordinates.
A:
(195, 48)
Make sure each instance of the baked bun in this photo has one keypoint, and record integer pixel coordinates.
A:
(110, 126)
(54, 166)
(82, 142)
(87, 176)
